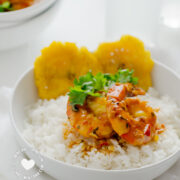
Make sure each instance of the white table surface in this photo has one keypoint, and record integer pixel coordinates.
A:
(89, 22)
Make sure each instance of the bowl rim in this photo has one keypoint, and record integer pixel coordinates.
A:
(68, 165)
(33, 8)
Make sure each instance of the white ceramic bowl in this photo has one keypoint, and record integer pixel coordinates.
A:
(23, 32)
(25, 93)
(14, 17)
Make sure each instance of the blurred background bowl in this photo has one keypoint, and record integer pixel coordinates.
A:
(20, 31)
(15, 17)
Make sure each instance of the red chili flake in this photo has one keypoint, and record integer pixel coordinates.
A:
(90, 129)
(104, 144)
(147, 130)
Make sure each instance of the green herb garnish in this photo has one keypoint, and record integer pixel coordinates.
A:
(92, 85)
(5, 6)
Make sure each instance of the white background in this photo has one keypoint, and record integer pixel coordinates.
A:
(89, 22)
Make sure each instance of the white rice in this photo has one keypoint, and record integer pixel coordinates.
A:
(44, 130)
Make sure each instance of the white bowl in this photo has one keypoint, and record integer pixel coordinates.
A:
(14, 17)
(25, 93)
(21, 33)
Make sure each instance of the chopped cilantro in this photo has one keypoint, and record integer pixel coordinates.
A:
(125, 75)
(1, 9)
(92, 85)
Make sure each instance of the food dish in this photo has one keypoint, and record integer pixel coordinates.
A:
(47, 124)
(9, 19)
(44, 119)
(13, 28)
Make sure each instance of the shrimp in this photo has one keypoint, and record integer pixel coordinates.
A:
(131, 119)
(142, 123)
(91, 120)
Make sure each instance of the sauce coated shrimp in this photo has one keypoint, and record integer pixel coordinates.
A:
(91, 120)
(131, 119)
